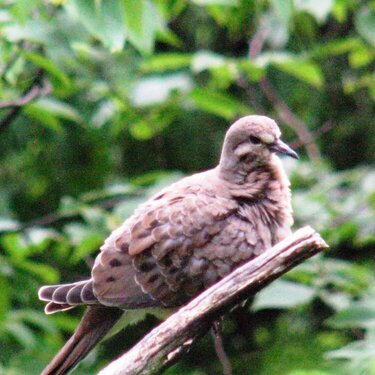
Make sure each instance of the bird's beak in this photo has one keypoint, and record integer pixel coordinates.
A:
(283, 148)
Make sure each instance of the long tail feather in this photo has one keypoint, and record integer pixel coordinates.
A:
(94, 325)
(66, 296)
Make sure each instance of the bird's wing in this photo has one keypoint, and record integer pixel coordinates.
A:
(145, 259)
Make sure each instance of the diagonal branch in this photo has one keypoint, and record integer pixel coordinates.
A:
(286, 115)
(158, 349)
(34, 92)
(37, 88)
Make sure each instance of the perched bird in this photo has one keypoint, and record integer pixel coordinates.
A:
(184, 239)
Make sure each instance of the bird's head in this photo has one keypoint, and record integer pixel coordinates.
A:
(251, 141)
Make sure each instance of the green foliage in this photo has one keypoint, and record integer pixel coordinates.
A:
(102, 101)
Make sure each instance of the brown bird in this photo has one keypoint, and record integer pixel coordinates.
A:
(184, 239)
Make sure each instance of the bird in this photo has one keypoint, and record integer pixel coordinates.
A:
(183, 239)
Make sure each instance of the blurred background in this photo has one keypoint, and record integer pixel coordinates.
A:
(104, 102)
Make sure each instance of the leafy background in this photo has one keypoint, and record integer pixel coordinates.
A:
(104, 102)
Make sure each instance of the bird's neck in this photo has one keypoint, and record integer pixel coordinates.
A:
(264, 193)
(255, 180)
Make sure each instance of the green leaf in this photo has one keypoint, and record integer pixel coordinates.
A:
(163, 62)
(8, 224)
(50, 67)
(359, 315)
(59, 109)
(218, 103)
(103, 19)
(204, 60)
(253, 72)
(365, 24)
(283, 9)
(4, 296)
(283, 294)
(46, 273)
(43, 116)
(90, 243)
(310, 372)
(216, 2)
(22, 333)
(304, 70)
(336, 47)
(157, 89)
(317, 8)
(142, 21)
(15, 245)
(147, 128)
(34, 31)
(36, 318)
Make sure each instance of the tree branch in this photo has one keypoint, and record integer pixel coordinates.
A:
(158, 349)
(37, 88)
(35, 91)
(283, 111)
(288, 117)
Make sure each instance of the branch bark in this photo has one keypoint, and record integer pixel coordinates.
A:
(158, 349)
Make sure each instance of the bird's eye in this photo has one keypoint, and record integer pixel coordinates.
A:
(254, 140)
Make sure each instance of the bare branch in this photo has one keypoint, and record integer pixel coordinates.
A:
(217, 335)
(289, 118)
(325, 128)
(285, 114)
(161, 346)
(257, 42)
(35, 91)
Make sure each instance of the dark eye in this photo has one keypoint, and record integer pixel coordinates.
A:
(254, 140)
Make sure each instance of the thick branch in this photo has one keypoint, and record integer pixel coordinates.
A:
(161, 346)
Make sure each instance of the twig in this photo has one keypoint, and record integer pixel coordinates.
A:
(326, 127)
(282, 109)
(217, 335)
(35, 91)
(160, 347)
(257, 42)
(288, 117)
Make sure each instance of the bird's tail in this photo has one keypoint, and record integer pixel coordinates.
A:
(94, 325)
(67, 296)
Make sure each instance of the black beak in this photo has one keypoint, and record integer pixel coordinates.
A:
(283, 148)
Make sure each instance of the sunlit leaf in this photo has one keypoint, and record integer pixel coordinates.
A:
(89, 244)
(103, 19)
(60, 109)
(142, 21)
(360, 315)
(153, 90)
(50, 67)
(22, 333)
(283, 294)
(43, 117)
(319, 9)
(365, 24)
(203, 60)
(217, 103)
(215, 2)
(166, 61)
(304, 70)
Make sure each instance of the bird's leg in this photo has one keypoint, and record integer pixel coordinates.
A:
(217, 332)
